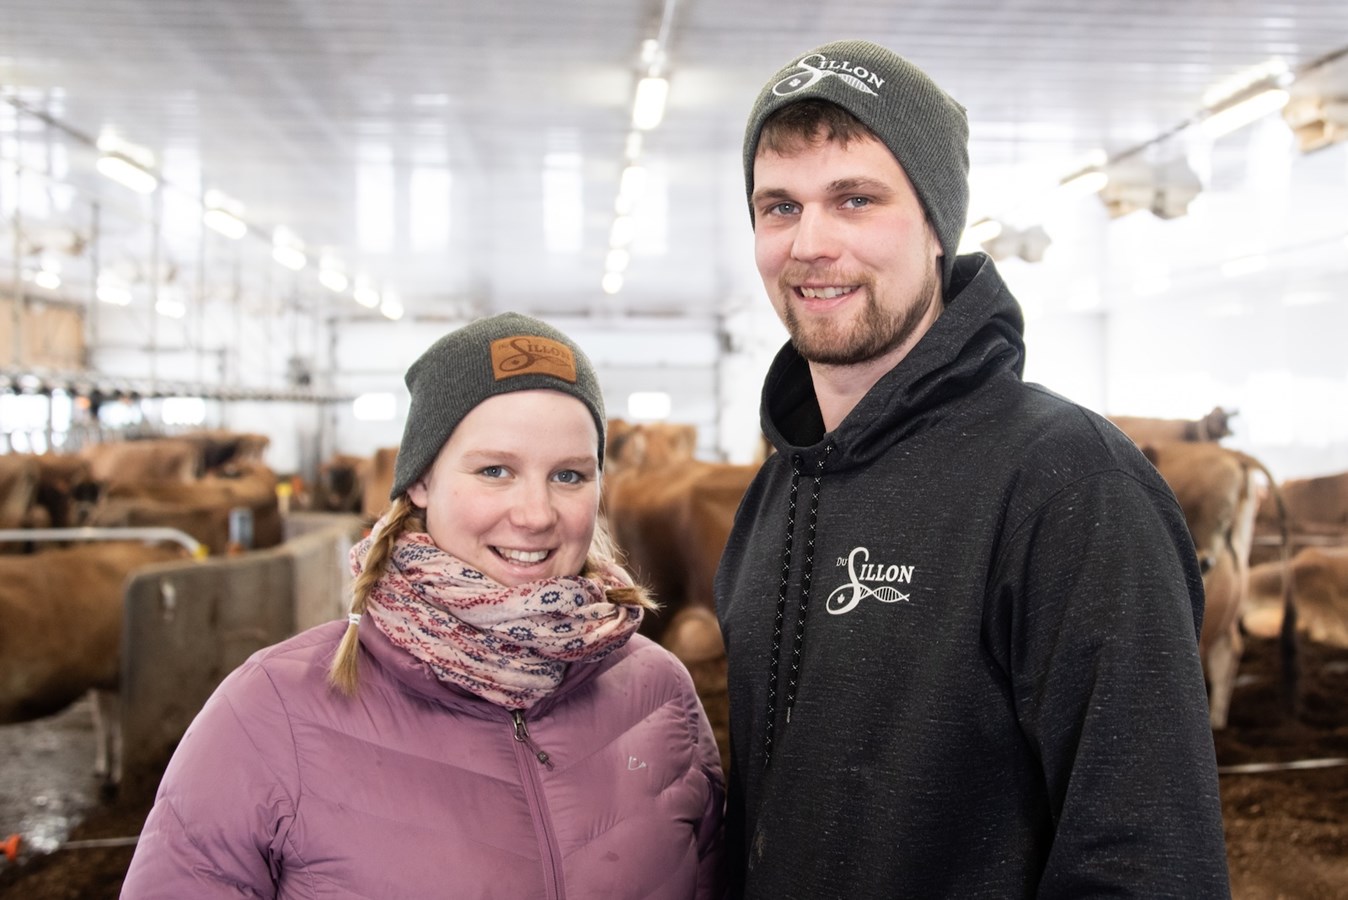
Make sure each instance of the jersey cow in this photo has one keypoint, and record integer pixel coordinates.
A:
(62, 628)
(1217, 489)
(670, 517)
(1143, 430)
(1318, 581)
(203, 508)
(1316, 513)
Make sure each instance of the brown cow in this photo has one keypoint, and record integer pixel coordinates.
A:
(671, 522)
(67, 490)
(19, 476)
(1319, 587)
(1218, 491)
(694, 636)
(341, 483)
(136, 462)
(631, 445)
(202, 508)
(221, 449)
(1143, 430)
(378, 483)
(61, 631)
(1316, 510)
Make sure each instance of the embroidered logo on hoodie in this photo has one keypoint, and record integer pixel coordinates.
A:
(868, 580)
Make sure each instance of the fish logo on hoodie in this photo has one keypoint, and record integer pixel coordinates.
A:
(867, 580)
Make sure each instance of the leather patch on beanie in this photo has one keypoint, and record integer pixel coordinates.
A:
(532, 355)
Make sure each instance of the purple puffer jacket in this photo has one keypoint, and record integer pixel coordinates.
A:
(417, 789)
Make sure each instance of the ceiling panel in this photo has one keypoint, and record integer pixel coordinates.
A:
(426, 143)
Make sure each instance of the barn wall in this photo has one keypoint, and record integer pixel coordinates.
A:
(46, 337)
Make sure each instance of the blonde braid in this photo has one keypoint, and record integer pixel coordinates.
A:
(402, 516)
(602, 550)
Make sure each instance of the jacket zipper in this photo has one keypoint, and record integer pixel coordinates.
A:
(522, 735)
(533, 789)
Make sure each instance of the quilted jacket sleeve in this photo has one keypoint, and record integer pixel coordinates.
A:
(711, 831)
(226, 800)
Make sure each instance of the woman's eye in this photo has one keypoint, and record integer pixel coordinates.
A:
(493, 471)
(570, 476)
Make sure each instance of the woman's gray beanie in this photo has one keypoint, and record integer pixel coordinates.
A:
(925, 129)
(498, 355)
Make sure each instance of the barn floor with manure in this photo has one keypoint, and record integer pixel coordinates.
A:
(1287, 831)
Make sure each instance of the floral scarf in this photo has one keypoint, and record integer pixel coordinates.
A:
(510, 646)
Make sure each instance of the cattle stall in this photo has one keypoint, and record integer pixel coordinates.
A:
(186, 624)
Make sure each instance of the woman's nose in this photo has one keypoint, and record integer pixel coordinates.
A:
(533, 508)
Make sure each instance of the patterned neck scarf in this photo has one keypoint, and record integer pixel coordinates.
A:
(510, 646)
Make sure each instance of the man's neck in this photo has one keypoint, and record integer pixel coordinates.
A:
(838, 389)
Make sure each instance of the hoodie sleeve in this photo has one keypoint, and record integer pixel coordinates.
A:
(226, 801)
(1096, 602)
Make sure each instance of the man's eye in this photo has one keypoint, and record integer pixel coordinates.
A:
(856, 202)
(783, 209)
(493, 471)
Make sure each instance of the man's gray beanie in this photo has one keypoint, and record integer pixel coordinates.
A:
(925, 129)
(498, 355)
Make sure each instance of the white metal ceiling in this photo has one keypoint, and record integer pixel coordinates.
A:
(342, 119)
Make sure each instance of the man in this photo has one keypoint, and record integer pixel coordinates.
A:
(961, 611)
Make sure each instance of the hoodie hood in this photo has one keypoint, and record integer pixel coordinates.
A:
(979, 333)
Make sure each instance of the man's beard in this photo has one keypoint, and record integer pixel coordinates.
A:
(864, 337)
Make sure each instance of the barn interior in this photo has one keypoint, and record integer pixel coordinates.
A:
(249, 217)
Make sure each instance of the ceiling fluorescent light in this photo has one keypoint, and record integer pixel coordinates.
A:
(128, 174)
(1226, 119)
(1086, 181)
(226, 223)
(624, 229)
(332, 277)
(223, 214)
(617, 261)
(286, 249)
(649, 107)
(632, 146)
(632, 185)
(170, 307)
(391, 306)
(612, 283)
(365, 295)
(289, 257)
(112, 291)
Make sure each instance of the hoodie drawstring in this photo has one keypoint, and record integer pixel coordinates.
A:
(798, 636)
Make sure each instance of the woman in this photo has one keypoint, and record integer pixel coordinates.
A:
(488, 723)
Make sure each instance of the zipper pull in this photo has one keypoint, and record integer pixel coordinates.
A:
(522, 735)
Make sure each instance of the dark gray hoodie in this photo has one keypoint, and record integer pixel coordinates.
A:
(962, 630)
